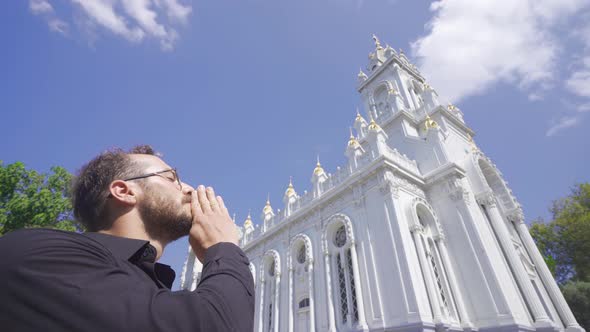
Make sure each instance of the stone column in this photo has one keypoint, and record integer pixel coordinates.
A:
(261, 306)
(330, 299)
(432, 292)
(357, 285)
(290, 298)
(546, 277)
(275, 308)
(521, 276)
(311, 297)
(458, 295)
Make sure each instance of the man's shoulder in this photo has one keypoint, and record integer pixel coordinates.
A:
(37, 241)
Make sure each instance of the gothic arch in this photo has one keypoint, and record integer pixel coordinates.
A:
(274, 255)
(295, 241)
(331, 227)
(422, 207)
(494, 181)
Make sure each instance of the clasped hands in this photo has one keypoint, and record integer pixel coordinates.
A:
(211, 222)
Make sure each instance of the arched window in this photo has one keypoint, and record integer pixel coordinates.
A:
(436, 274)
(301, 274)
(270, 277)
(344, 277)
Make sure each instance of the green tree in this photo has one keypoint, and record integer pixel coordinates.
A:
(565, 241)
(30, 199)
(577, 295)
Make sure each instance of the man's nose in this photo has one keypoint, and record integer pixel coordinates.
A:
(187, 188)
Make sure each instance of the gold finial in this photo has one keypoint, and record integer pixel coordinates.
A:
(451, 107)
(474, 147)
(248, 222)
(352, 142)
(373, 125)
(377, 43)
(359, 117)
(390, 90)
(318, 170)
(267, 208)
(429, 123)
(290, 190)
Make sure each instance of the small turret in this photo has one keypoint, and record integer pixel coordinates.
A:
(318, 178)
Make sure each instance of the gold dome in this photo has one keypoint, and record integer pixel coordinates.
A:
(290, 190)
(267, 208)
(248, 222)
(318, 170)
(429, 123)
(373, 125)
(352, 142)
(359, 117)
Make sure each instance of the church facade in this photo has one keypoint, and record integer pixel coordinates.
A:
(417, 232)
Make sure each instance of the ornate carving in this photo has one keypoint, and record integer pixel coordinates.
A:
(456, 191)
(516, 216)
(486, 198)
(277, 263)
(338, 218)
(306, 242)
(416, 228)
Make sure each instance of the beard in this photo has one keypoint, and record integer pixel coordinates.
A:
(163, 217)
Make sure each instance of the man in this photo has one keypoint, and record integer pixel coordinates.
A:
(133, 204)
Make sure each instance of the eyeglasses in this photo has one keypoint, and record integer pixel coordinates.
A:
(175, 177)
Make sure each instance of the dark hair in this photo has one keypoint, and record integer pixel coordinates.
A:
(90, 188)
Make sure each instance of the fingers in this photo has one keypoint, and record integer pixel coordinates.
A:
(195, 205)
(221, 203)
(203, 200)
(212, 200)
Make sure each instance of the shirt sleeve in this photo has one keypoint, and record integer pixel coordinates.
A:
(77, 286)
(223, 301)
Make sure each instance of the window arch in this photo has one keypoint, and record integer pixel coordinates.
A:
(301, 283)
(338, 240)
(270, 277)
(433, 266)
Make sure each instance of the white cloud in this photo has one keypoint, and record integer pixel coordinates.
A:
(134, 20)
(563, 123)
(472, 45)
(58, 25)
(175, 10)
(40, 7)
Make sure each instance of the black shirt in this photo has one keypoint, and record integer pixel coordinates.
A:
(61, 281)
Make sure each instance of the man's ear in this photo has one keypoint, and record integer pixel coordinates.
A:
(123, 193)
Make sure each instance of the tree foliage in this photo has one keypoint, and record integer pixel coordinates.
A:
(565, 241)
(30, 199)
(577, 295)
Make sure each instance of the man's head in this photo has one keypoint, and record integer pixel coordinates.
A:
(116, 183)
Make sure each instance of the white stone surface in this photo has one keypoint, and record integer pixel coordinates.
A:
(432, 237)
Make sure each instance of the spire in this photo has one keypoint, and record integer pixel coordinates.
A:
(352, 142)
(318, 170)
(373, 126)
(248, 222)
(359, 117)
(377, 43)
(267, 208)
(361, 76)
(290, 190)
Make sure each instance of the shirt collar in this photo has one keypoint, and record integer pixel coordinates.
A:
(121, 247)
(136, 251)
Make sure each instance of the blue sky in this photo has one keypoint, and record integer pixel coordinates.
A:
(241, 95)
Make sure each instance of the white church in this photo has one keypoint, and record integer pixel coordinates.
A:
(417, 232)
